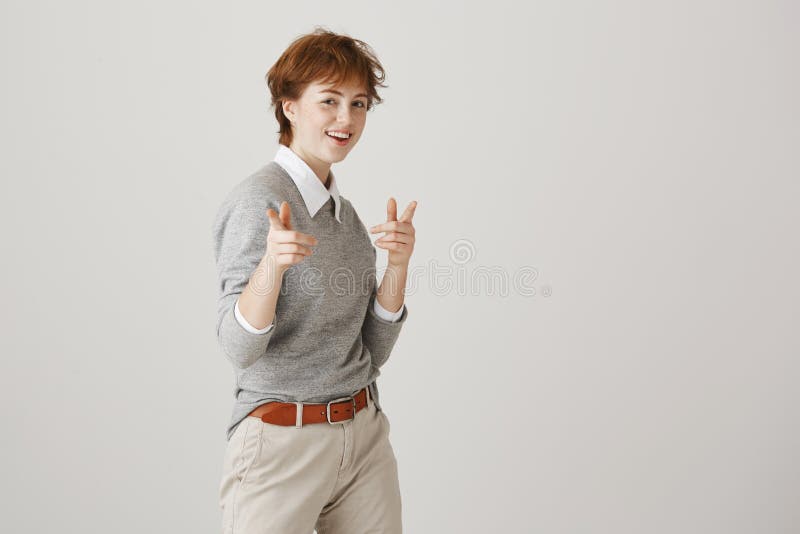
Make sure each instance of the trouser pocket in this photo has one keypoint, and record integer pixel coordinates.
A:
(241, 453)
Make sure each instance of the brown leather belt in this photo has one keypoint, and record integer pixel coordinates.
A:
(300, 413)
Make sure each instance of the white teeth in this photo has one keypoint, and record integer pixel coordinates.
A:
(338, 134)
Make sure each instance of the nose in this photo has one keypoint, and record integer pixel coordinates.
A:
(343, 116)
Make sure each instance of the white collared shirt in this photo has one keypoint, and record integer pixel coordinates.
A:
(314, 196)
(310, 186)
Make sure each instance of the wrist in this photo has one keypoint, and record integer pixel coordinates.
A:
(267, 276)
(271, 266)
(400, 265)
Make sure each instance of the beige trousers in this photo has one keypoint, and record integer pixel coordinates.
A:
(335, 478)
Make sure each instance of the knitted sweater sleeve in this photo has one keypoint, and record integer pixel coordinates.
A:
(240, 239)
(378, 334)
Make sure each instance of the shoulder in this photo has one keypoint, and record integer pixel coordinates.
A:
(265, 188)
(348, 210)
(251, 197)
(269, 184)
(346, 203)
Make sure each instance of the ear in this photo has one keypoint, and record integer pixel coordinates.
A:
(288, 107)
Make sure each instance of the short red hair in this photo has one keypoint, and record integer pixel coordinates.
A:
(325, 57)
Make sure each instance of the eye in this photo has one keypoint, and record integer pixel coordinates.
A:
(328, 100)
(360, 103)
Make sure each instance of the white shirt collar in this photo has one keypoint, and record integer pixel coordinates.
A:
(310, 186)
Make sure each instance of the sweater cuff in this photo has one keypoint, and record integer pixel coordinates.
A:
(247, 326)
(383, 313)
(242, 347)
(373, 316)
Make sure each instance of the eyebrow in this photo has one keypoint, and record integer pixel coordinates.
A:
(334, 91)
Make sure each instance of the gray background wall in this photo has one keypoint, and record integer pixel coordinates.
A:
(641, 158)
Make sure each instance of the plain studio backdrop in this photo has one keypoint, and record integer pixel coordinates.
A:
(608, 191)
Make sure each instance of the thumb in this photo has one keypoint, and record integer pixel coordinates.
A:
(274, 221)
(286, 215)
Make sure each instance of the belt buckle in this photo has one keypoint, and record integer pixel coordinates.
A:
(328, 409)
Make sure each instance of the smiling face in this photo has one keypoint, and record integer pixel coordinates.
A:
(321, 113)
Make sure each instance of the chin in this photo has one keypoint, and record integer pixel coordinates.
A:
(338, 156)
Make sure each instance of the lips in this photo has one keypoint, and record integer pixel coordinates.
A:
(338, 140)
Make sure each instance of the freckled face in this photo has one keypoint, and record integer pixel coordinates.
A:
(328, 120)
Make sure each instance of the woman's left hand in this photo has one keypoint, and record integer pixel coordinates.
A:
(399, 239)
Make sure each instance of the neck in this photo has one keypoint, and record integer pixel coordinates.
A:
(321, 169)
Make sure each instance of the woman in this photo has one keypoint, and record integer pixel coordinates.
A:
(301, 317)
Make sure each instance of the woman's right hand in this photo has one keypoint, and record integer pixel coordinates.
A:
(285, 246)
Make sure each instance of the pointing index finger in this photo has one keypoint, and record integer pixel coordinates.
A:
(392, 226)
(293, 236)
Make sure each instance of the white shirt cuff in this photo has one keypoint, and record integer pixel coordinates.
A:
(383, 313)
(247, 326)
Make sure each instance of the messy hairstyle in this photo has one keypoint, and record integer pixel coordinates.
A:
(324, 57)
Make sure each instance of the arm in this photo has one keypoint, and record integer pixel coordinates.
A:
(378, 333)
(391, 294)
(247, 326)
(258, 300)
(383, 313)
(240, 237)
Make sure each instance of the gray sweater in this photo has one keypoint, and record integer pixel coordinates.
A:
(327, 340)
